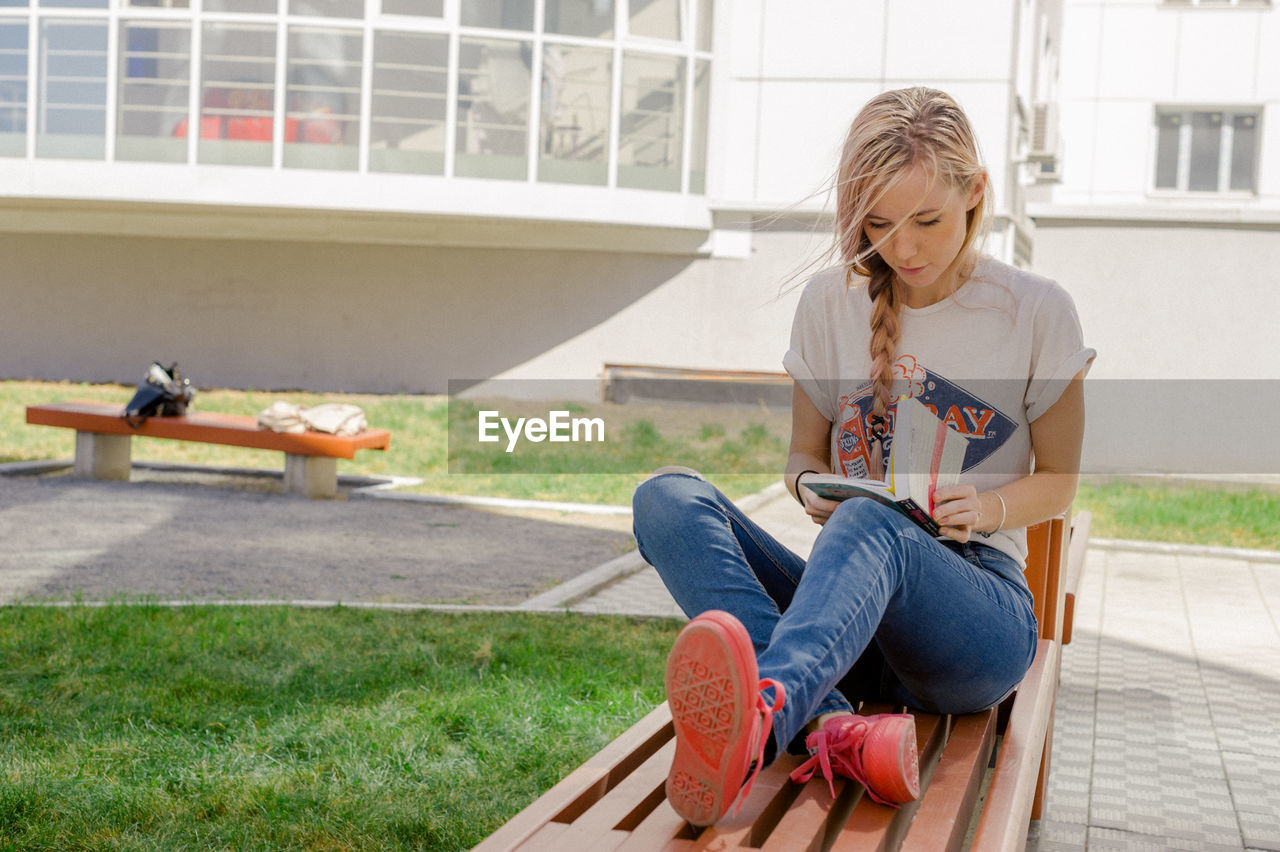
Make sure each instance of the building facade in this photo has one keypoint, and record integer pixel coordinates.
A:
(383, 195)
(1164, 214)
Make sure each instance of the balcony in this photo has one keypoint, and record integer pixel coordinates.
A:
(383, 118)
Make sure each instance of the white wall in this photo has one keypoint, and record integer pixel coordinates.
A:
(1123, 58)
(375, 318)
(795, 73)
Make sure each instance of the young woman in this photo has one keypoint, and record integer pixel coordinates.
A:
(780, 651)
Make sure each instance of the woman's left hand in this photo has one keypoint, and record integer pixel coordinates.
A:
(956, 509)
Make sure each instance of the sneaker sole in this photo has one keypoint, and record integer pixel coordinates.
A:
(710, 681)
(891, 761)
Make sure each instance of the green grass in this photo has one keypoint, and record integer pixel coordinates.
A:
(740, 452)
(1229, 516)
(740, 457)
(139, 727)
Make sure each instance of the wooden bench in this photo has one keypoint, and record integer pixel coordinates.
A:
(103, 442)
(982, 775)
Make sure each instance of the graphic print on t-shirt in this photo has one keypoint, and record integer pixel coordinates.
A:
(986, 427)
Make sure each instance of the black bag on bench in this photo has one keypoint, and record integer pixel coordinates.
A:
(161, 393)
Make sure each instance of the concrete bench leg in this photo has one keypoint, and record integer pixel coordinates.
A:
(311, 476)
(103, 456)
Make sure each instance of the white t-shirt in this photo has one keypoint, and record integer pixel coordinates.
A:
(989, 359)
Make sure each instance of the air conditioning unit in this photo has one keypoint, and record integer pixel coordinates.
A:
(1044, 129)
(1046, 143)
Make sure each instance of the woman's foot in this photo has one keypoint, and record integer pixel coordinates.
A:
(877, 751)
(722, 721)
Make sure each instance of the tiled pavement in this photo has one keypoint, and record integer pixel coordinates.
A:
(1168, 717)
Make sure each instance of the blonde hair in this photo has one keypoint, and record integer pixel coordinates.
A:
(895, 131)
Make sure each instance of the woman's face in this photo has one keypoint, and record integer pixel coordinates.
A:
(919, 226)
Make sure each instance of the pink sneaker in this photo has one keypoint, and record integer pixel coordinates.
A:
(722, 722)
(877, 751)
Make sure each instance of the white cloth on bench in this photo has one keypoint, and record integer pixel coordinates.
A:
(334, 418)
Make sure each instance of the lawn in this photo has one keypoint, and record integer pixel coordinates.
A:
(149, 728)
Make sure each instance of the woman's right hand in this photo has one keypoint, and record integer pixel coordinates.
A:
(817, 508)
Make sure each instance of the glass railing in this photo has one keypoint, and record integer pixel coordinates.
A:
(609, 93)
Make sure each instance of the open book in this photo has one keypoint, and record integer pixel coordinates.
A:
(924, 455)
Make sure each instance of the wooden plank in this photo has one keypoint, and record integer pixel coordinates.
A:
(207, 427)
(943, 817)
(771, 794)
(1007, 811)
(1076, 553)
(873, 826)
(591, 780)
(614, 809)
(1055, 579)
(1037, 569)
(663, 828)
(810, 819)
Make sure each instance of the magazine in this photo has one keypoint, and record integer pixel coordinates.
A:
(924, 455)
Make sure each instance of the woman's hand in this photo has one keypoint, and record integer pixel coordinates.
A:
(957, 510)
(818, 509)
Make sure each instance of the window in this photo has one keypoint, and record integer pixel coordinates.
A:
(598, 93)
(656, 19)
(590, 18)
(73, 82)
(498, 14)
(238, 99)
(322, 98)
(701, 120)
(1207, 150)
(650, 145)
(262, 7)
(155, 85)
(493, 109)
(13, 89)
(418, 8)
(574, 147)
(327, 8)
(410, 90)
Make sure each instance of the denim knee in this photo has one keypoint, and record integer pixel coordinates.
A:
(866, 512)
(664, 498)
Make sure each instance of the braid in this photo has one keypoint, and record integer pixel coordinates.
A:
(885, 331)
(895, 131)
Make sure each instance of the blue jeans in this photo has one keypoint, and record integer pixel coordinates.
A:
(881, 610)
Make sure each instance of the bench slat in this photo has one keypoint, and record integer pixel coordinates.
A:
(590, 781)
(873, 826)
(208, 427)
(588, 832)
(943, 817)
(1007, 811)
(1075, 570)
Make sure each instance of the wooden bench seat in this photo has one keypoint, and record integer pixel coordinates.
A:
(103, 442)
(982, 775)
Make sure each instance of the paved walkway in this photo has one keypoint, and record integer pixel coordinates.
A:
(1168, 718)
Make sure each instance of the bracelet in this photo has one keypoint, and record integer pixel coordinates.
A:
(799, 499)
(1004, 511)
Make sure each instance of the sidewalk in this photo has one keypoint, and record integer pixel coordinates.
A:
(1168, 718)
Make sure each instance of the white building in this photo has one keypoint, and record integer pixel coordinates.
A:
(387, 194)
(1166, 220)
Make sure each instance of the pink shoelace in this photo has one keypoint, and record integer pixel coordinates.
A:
(765, 729)
(837, 753)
